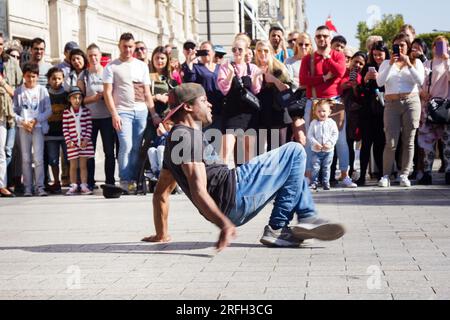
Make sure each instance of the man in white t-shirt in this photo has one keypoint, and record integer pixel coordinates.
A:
(127, 95)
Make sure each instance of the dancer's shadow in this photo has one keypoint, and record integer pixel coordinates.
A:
(135, 248)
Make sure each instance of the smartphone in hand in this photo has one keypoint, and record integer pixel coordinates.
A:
(396, 50)
(441, 48)
(372, 69)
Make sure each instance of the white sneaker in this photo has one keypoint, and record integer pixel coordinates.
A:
(348, 183)
(404, 181)
(85, 191)
(384, 182)
(73, 190)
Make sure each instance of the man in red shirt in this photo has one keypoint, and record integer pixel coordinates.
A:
(322, 82)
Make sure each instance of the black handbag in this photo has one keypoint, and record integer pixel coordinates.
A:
(438, 109)
(294, 102)
(247, 96)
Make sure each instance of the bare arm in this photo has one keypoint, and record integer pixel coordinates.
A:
(107, 93)
(166, 184)
(151, 106)
(195, 173)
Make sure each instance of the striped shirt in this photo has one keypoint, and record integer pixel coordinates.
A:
(71, 134)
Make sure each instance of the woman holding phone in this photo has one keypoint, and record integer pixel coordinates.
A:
(201, 68)
(437, 85)
(371, 115)
(402, 76)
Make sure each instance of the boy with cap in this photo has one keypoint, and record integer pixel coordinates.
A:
(232, 197)
(77, 129)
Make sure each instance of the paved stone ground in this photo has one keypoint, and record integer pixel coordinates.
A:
(397, 247)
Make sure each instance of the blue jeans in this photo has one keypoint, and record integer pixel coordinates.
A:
(130, 140)
(53, 152)
(9, 147)
(106, 129)
(321, 160)
(341, 145)
(277, 175)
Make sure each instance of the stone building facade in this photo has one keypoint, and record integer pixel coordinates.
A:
(156, 22)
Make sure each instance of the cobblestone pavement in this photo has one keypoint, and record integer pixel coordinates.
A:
(397, 246)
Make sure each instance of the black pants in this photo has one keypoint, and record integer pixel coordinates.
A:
(107, 132)
(372, 133)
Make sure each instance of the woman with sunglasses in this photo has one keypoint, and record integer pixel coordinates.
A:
(10, 78)
(402, 77)
(236, 114)
(203, 70)
(275, 79)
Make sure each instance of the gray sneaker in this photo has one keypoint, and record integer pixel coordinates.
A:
(279, 238)
(316, 228)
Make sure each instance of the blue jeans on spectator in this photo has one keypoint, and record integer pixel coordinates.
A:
(54, 151)
(106, 129)
(277, 175)
(130, 140)
(9, 147)
(321, 160)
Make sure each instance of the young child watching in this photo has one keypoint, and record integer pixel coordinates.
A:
(77, 129)
(32, 108)
(322, 135)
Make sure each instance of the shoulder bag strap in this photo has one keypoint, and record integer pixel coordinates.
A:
(313, 73)
(430, 77)
(241, 84)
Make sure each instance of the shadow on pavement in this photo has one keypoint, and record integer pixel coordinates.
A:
(135, 248)
(386, 197)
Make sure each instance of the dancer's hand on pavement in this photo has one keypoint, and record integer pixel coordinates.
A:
(227, 234)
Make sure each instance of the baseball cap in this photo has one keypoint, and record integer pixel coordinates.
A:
(183, 93)
(220, 50)
(72, 45)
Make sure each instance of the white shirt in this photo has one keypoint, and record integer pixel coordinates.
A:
(122, 75)
(30, 107)
(323, 132)
(406, 80)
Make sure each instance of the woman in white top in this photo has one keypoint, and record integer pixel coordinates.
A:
(303, 47)
(402, 77)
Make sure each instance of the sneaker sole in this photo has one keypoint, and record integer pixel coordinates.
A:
(325, 232)
(278, 243)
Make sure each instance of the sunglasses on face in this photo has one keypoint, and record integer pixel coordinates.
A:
(234, 50)
(292, 41)
(304, 45)
(14, 56)
(264, 50)
(140, 49)
(320, 36)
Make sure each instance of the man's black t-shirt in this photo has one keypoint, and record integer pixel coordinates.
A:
(186, 145)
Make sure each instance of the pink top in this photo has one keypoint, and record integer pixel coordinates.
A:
(225, 85)
(440, 83)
